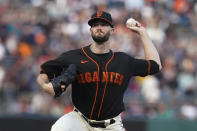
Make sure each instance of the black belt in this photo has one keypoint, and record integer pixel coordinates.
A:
(101, 124)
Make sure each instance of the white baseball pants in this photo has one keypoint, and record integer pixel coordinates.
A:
(73, 121)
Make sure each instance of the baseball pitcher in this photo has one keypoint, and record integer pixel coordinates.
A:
(99, 77)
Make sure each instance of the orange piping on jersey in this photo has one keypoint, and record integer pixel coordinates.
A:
(149, 65)
(105, 86)
(97, 82)
(42, 69)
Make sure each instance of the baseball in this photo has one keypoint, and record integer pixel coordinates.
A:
(131, 22)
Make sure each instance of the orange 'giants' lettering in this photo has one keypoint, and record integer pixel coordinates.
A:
(111, 77)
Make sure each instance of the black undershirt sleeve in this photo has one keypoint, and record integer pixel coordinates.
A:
(54, 67)
(143, 67)
(154, 67)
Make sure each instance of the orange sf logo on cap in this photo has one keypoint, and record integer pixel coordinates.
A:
(99, 13)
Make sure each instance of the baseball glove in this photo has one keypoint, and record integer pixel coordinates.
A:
(67, 77)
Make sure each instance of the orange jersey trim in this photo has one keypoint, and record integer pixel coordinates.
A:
(42, 69)
(97, 81)
(149, 66)
(105, 86)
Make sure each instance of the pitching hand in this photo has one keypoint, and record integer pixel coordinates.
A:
(138, 28)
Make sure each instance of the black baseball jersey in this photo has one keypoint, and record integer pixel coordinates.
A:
(101, 79)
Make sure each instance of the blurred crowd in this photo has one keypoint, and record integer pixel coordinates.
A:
(34, 31)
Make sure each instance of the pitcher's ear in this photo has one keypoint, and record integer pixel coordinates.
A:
(112, 30)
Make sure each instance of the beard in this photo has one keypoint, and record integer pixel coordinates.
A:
(101, 39)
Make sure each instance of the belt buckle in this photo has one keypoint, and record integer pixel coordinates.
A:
(89, 122)
(106, 122)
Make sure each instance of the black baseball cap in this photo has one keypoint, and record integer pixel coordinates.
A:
(101, 16)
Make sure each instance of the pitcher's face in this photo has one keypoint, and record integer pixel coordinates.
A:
(100, 32)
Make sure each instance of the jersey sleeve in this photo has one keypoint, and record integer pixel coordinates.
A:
(54, 67)
(142, 67)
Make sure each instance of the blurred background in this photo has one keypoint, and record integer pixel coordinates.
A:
(34, 31)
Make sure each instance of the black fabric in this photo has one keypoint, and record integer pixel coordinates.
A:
(96, 74)
(66, 78)
(100, 124)
(154, 67)
(54, 68)
(102, 56)
(101, 16)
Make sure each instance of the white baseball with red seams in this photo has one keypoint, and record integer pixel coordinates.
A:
(131, 22)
